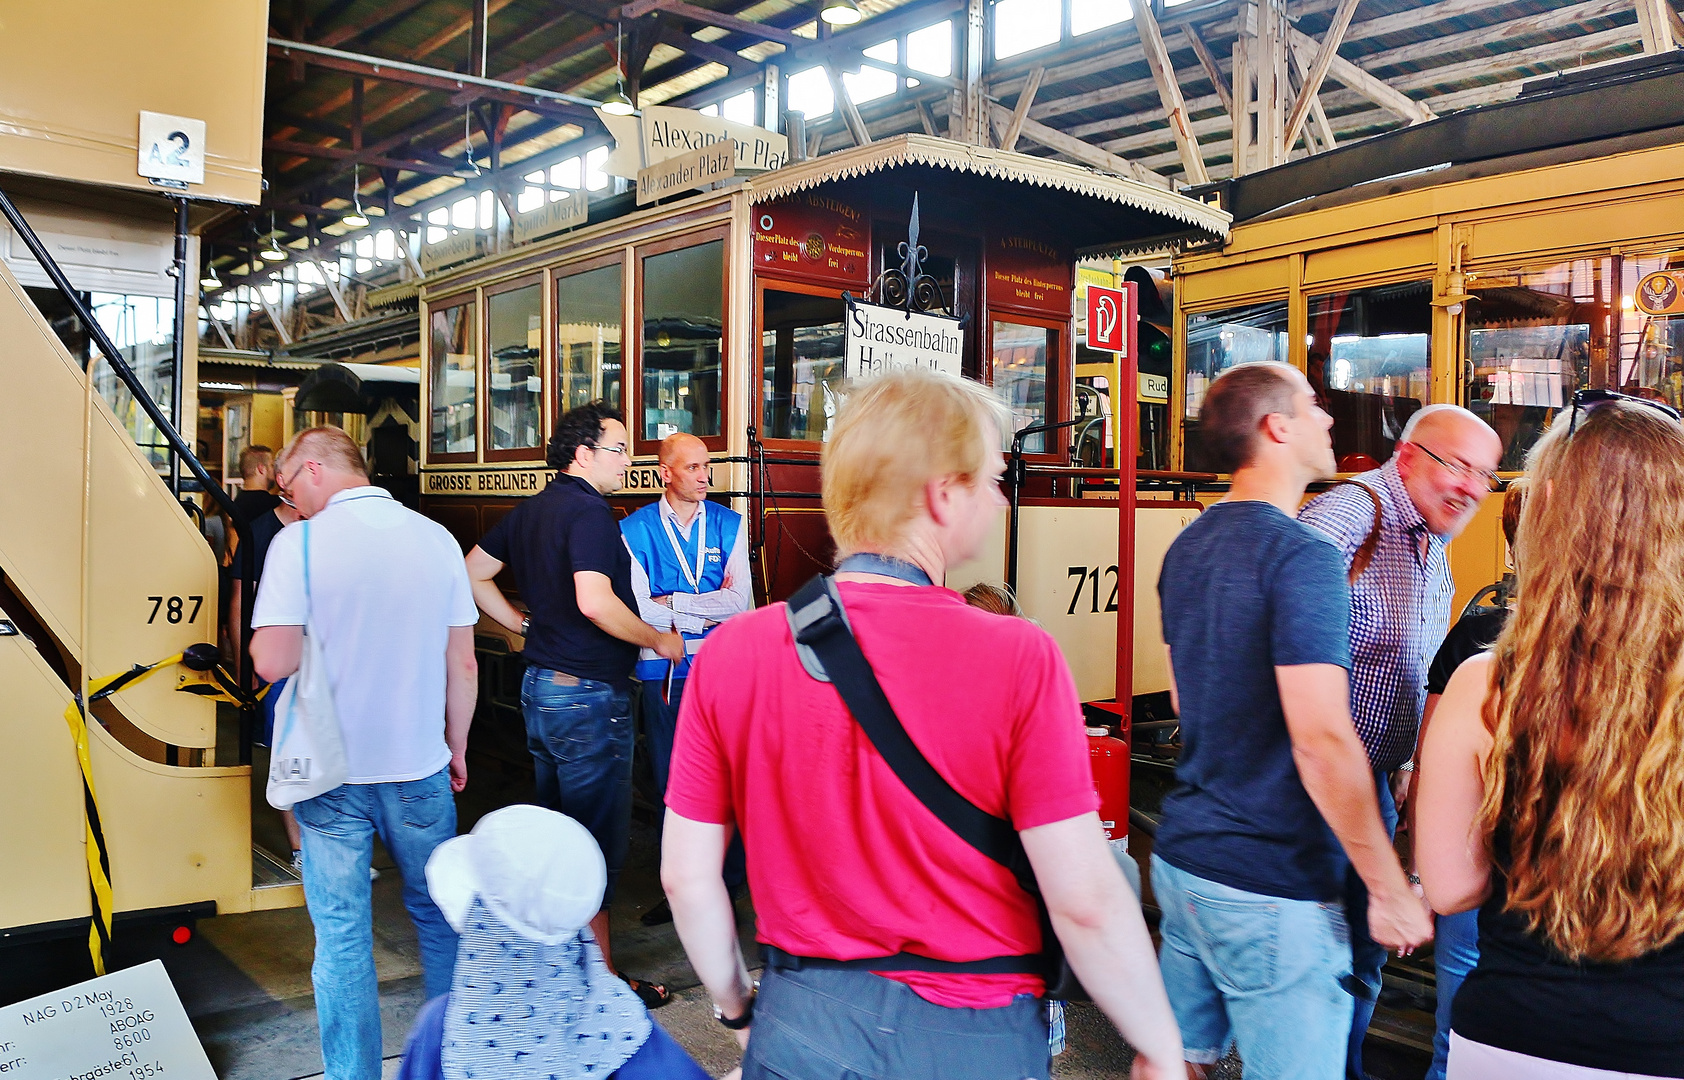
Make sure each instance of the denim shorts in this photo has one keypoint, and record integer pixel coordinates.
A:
(1262, 971)
(581, 736)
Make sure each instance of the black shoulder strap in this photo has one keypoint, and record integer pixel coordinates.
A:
(816, 619)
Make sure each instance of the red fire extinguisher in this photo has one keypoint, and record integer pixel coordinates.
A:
(1111, 778)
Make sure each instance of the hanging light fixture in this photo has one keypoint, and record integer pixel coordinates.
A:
(209, 280)
(617, 103)
(356, 219)
(840, 12)
(470, 169)
(273, 252)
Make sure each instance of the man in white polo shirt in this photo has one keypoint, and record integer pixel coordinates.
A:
(387, 594)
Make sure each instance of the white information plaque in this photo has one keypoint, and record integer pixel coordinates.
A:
(172, 149)
(125, 1026)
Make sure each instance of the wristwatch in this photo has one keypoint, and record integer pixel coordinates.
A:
(739, 1022)
(525, 625)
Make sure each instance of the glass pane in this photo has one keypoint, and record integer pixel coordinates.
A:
(143, 329)
(683, 324)
(1651, 346)
(1370, 363)
(931, 49)
(1021, 25)
(515, 323)
(801, 364)
(1217, 341)
(452, 380)
(1534, 336)
(1089, 15)
(587, 337)
(1018, 372)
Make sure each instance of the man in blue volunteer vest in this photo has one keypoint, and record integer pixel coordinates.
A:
(690, 573)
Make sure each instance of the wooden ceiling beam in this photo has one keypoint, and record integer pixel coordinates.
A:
(340, 153)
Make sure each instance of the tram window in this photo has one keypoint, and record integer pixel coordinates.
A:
(1651, 346)
(801, 363)
(588, 327)
(683, 331)
(1217, 341)
(1019, 368)
(514, 323)
(452, 380)
(1536, 335)
(1369, 361)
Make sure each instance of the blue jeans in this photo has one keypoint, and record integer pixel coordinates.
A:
(1367, 958)
(1262, 971)
(412, 817)
(1455, 952)
(660, 726)
(580, 734)
(850, 1025)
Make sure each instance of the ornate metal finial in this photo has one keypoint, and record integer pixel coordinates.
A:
(908, 286)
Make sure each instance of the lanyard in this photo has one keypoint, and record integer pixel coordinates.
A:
(699, 528)
(867, 562)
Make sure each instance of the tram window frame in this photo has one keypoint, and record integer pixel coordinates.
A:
(616, 260)
(519, 453)
(1054, 443)
(469, 300)
(763, 285)
(635, 416)
(1186, 428)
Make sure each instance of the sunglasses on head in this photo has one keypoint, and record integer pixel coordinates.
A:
(1590, 400)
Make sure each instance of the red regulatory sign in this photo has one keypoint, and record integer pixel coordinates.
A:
(1107, 319)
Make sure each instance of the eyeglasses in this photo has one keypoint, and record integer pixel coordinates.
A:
(1588, 400)
(621, 449)
(286, 485)
(1492, 482)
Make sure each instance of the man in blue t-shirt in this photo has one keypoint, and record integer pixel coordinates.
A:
(581, 638)
(1272, 781)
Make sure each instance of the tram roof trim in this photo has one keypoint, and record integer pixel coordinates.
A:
(1000, 165)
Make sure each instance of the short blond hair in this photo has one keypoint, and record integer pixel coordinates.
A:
(893, 434)
(330, 446)
(253, 458)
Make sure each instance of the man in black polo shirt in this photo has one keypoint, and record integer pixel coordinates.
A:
(582, 637)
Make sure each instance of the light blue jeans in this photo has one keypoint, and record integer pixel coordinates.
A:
(1455, 952)
(412, 817)
(1262, 971)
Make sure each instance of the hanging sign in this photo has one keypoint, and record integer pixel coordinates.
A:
(812, 235)
(552, 217)
(1661, 293)
(1107, 314)
(455, 248)
(877, 339)
(708, 165)
(660, 132)
(172, 150)
(129, 1024)
(1028, 273)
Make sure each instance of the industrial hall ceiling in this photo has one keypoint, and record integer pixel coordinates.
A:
(391, 111)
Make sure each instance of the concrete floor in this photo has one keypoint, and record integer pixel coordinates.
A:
(245, 979)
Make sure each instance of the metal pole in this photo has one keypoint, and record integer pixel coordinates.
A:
(178, 388)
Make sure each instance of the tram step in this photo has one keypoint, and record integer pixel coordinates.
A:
(268, 871)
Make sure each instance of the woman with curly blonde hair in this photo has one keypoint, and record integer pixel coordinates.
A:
(1552, 779)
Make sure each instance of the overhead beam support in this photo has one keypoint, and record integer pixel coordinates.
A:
(974, 104)
(1655, 29)
(639, 8)
(1208, 62)
(1169, 92)
(1342, 70)
(333, 289)
(1020, 112)
(340, 153)
(845, 105)
(1316, 70)
(274, 316)
(1086, 153)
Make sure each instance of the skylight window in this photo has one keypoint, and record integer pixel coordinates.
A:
(1087, 16)
(566, 174)
(810, 93)
(931, 49)
(739, 108)
(1022, 25)
(871, 83)
(595, 178)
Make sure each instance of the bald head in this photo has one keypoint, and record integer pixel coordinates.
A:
(1446, 456)
(684, 471)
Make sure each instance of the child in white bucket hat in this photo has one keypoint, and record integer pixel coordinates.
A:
(531, 996)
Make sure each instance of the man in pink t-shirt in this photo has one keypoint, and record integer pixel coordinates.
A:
(845, 863)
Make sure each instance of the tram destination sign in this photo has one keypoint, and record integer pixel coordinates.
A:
(882, 339)
(128, 1025)
(481, 482)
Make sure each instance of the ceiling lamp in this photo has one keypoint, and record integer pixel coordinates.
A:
(209, 280)
(840, 12)
(356, 219)
(272, 252)
(617, 103)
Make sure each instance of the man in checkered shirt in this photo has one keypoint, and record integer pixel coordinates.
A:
(1442, 469)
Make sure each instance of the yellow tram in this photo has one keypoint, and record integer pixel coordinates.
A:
(1499, 258)
(722, 314)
